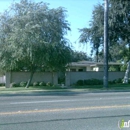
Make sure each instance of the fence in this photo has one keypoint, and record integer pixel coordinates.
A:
(2, 79)
(73, 77)
(70, 77)
(18, 77)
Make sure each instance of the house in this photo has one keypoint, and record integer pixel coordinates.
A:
(92, 66)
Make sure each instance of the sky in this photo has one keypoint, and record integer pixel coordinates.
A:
(79, 13)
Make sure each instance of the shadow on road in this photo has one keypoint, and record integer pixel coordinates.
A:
(59, 120)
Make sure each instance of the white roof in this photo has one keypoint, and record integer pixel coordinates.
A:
(90, 63)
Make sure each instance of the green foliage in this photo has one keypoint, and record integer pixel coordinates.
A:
(23, 84)
(119, 40)
(116, 81)
(47, 87)
(89, 82)
(42, 84)
(111, 82)
(61, 80)
(94, 34)
(119, 22)
(128, 81)
(124, 67)
(80, 56)
(13, 84)
(35, 84)
(33, 37)
(112, 68)
(93, 82)
(2, 84)
(49, 84)
(80, 82)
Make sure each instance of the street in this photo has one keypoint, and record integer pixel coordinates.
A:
(65, 111)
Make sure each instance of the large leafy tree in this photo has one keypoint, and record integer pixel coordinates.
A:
(94, 33)
(120, 22)
(80, 56)
(119, 31)
(119, 26)
(32, 37)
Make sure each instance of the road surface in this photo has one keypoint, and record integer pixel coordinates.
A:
(65, 111)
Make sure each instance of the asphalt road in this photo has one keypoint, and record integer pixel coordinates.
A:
(65, 111)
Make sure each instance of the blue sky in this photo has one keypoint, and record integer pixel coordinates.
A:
(78, 15)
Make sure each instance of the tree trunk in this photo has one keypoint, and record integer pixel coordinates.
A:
(97, 53)
(30, 79)
(126, 77)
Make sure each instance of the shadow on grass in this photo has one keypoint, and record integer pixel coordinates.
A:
(110, 86)
(58, 91)
(51, 93)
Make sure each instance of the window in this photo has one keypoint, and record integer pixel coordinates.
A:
(73, 70)
(80, 70)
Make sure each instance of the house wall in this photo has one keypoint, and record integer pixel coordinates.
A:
(88, 68)
(92, 68)
(18, 77)
(98, 68)
(73, 77)
(76, 68)
(2, 79)
(101, 68)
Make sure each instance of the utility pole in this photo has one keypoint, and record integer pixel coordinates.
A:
(105, 78)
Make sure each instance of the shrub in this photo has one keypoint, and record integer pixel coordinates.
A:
(93, 82)
(119, 80)
(61, 80)
(89, 82)
(35, 84)
(97, 82)
(13, 84)
(42, 84)
(110, 82)
(128, 81)
(116, 81)
(48, 84)
(23, 84)
(86, 82)
(2, 84)
(80, 82)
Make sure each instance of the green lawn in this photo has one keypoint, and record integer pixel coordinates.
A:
(31, 88)
(110, 87)
(58, 88)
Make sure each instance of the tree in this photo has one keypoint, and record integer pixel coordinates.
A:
(120, 19)
(80, 56)
(94, 34)
(119, 26)
(120, 23)
(32, 36)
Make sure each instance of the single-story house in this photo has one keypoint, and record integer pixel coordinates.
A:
(91, 66)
